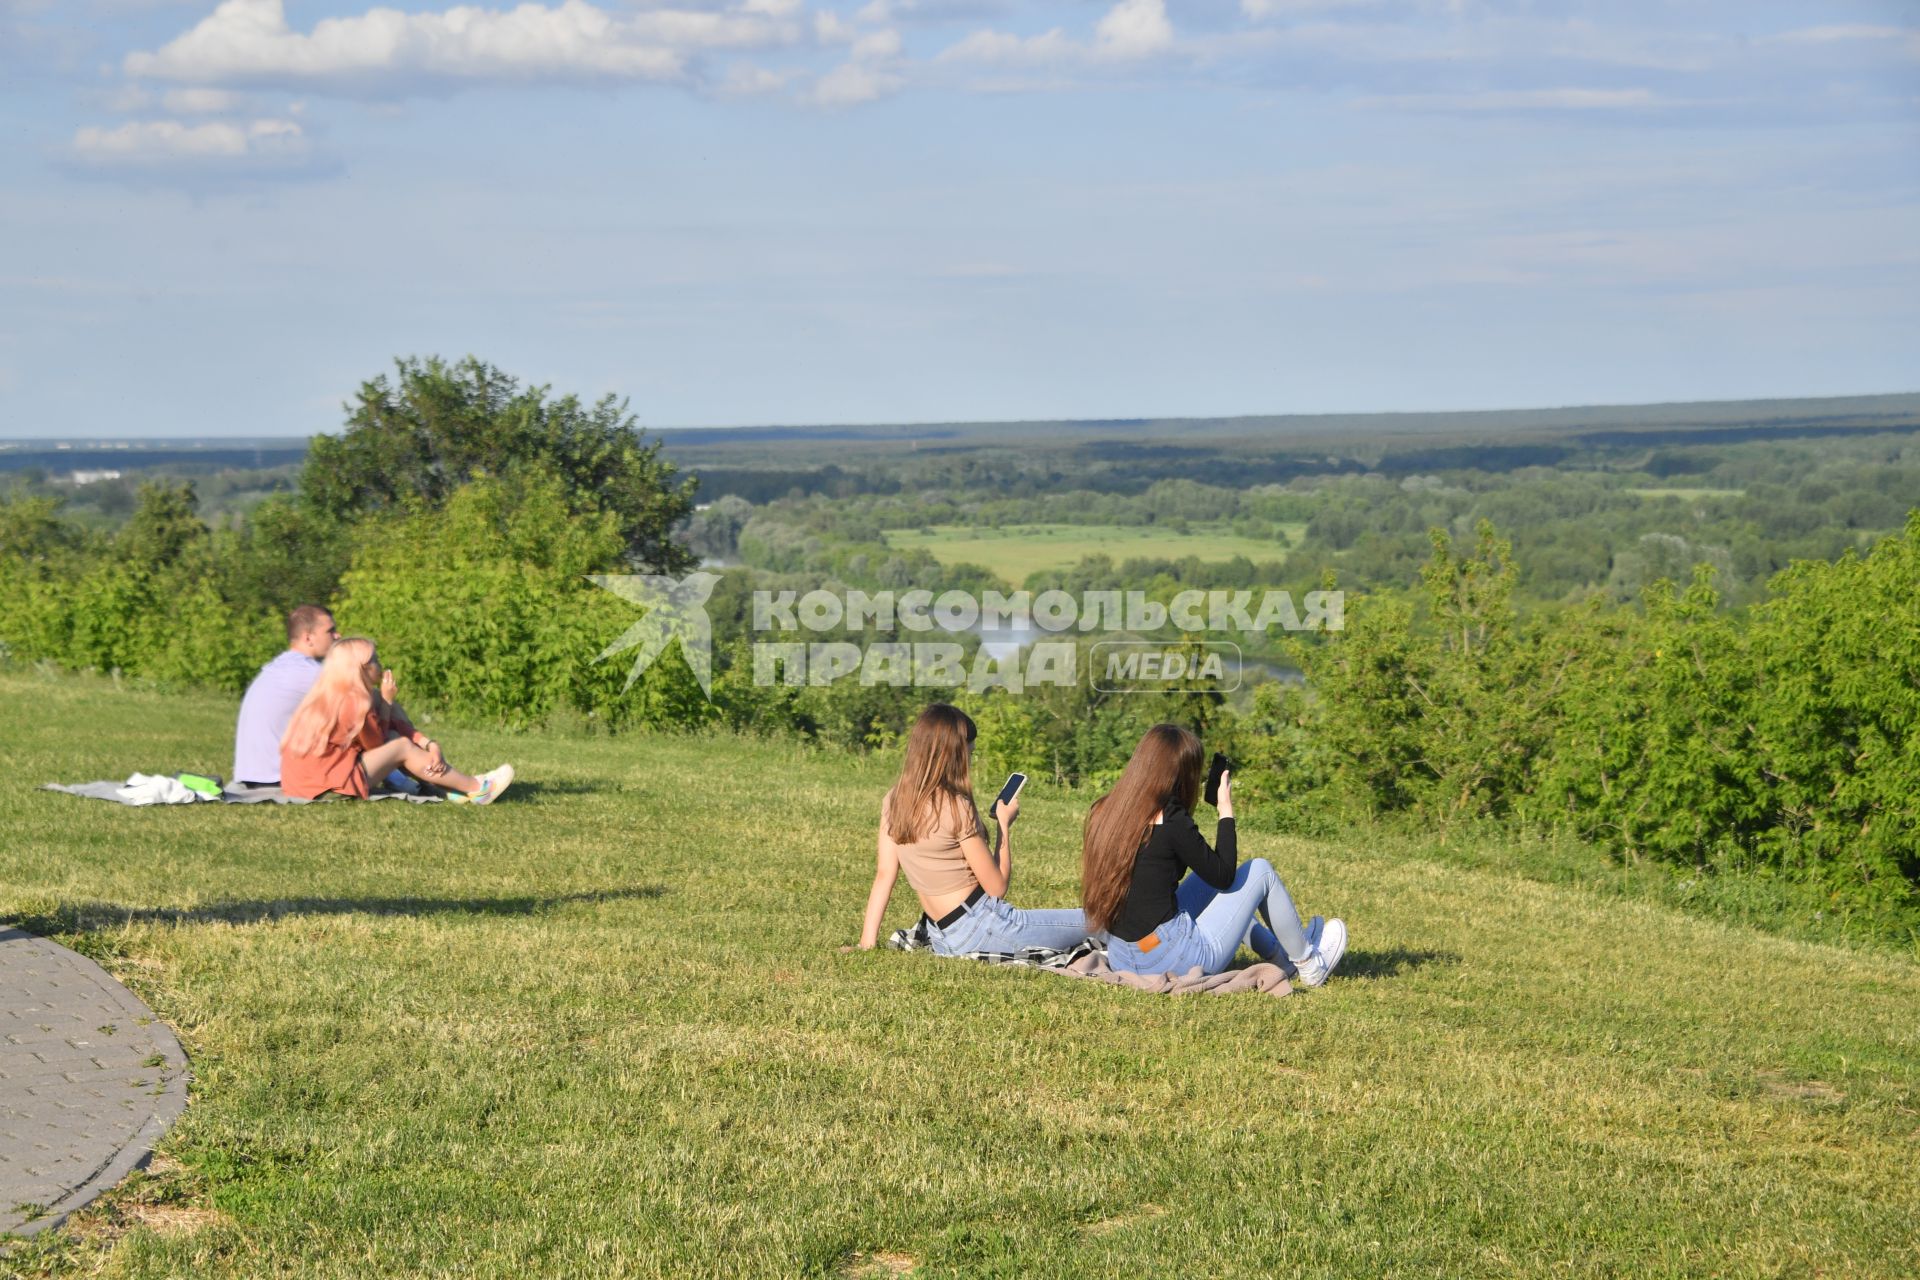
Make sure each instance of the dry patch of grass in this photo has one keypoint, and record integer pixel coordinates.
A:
(879, 1264)
(164, 1203)
(1134, 1216)
(175, 1219)
(1779, 1084)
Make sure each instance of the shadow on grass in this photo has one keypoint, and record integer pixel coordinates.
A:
(525, 790)
(90, 917)
(1391, 962)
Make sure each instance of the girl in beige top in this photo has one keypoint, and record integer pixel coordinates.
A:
(931, 830)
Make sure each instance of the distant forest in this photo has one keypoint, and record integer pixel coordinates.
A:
(1662, 442)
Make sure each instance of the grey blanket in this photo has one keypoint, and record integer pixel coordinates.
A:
(232, 795)
(1089, 960)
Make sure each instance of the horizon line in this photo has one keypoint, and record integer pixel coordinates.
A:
(1096, 420)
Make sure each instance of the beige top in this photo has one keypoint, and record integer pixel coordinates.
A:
(934, 865)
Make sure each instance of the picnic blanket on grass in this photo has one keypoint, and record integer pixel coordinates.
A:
(1089, 960)
(157, 788)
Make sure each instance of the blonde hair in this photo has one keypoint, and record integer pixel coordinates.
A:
(341, 695)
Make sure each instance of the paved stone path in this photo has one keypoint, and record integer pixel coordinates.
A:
(89, 1080)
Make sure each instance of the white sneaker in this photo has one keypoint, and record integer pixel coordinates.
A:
(1325, 956)
(493, 785)
(1279, 957)
(1332, 944)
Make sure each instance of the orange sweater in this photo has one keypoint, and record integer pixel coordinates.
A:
(337, 765)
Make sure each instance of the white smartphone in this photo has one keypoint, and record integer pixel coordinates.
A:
(1015, 781)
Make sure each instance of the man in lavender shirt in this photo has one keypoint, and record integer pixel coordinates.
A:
(276, 692)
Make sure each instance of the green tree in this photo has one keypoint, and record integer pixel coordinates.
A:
(165, 526)
(32, 529)
(414, 440)
(283, 554)
(1442, 720)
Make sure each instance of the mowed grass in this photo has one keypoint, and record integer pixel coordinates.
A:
(603, 1028)
(1015, 551)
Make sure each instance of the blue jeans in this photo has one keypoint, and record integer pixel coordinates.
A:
(1211, 924)
(994, 924)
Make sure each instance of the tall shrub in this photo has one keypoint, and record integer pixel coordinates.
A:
(484, 606)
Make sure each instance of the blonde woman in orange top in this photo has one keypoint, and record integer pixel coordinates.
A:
(347, 731)
(930, 828)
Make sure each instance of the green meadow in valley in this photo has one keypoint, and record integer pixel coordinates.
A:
(1014, 552)
(604, 1028)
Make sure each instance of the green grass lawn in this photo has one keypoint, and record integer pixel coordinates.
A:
(603, 1028)
(1018, 550)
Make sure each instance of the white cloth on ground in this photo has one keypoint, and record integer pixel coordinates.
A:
(154, 788)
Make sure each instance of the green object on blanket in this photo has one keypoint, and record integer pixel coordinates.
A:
(208, 787)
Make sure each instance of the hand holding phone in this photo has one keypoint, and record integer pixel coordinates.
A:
(1006, 806)
(1217, 771)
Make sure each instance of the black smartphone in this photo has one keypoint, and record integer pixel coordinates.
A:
(1219, 766)
(1015, 781)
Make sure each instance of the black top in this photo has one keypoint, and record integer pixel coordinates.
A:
(1174, 847)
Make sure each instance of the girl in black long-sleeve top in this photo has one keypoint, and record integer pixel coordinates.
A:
(1167, 899)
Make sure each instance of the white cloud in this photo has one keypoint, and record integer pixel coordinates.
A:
(199, 102)
(853, 83)
(216, 148)
(745, 81)
(1134, 29)
(1002, 49)
(830, 28)
(250, 41)
(878, 46)
(872, 69)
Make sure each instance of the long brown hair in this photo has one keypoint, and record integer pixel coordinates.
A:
(1165, 767)
(936, 777)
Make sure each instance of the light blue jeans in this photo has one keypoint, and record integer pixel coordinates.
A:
(994, 924)
(1212, 923)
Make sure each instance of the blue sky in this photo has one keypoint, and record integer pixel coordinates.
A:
(218, 218)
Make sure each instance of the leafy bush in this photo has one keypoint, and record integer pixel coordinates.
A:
(147, 602)
(485, 606)
(1785, 743)
(1834, 720)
